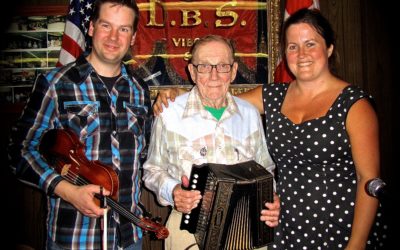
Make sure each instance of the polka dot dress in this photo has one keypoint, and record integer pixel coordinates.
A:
(316, 174)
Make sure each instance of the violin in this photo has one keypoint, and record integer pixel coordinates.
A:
(64, 152)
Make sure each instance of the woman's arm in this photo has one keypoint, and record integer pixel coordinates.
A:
(362, 127)
(254, 96)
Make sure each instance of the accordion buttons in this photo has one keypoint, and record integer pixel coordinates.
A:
(186, 220)
(194, 181)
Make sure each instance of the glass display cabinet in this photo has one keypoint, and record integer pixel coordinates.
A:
(31, 46)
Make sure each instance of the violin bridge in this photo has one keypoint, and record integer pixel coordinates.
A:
(65, 169)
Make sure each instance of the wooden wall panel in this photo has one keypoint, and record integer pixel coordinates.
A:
(345, 19)
(150, 203)
(365, 42)
(378, 69)
(367, 59)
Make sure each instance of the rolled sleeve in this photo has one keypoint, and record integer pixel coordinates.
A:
(262, 156)
(156, 176)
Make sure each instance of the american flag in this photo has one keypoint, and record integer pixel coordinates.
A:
(281, 73)
(75, 39)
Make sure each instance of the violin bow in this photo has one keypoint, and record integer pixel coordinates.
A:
(104, 221)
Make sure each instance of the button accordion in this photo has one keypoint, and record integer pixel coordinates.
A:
(228, 215)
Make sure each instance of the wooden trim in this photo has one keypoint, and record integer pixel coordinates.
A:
(235, 89)
(274, 22)
(42, 10)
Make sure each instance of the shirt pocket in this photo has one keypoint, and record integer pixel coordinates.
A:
(136, 116)
(83, 116)
(189, 155)
(241, 153)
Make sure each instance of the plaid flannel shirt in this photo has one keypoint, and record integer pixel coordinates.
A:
(114, 126)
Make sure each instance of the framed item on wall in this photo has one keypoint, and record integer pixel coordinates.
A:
(168, 28)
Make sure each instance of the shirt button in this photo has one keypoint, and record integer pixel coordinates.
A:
(203, 151)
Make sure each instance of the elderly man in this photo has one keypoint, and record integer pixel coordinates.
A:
(206, 125)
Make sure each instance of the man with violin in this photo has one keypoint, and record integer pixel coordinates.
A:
(105, 114)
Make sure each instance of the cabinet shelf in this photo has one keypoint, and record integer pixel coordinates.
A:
(33, 50)
(15, 93)
(24, 69)
(16, 86)
(32, 46)
(33, 31)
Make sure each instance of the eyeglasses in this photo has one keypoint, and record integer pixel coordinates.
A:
(207, 68)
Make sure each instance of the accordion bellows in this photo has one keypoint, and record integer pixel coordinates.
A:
(228, 216)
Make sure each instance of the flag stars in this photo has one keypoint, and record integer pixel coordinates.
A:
(88, 6)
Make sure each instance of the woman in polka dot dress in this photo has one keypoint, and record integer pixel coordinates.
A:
(323, 135)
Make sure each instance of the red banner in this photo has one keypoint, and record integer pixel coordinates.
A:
(167, 30)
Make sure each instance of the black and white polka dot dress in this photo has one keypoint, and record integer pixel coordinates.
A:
(315, 171)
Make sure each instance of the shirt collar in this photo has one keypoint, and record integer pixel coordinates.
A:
(194, 106)
(81, 69)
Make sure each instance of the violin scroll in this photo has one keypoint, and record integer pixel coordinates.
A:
(160, 231)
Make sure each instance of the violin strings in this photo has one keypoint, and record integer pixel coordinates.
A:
(76, 179)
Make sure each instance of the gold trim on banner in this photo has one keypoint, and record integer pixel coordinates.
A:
(274, 20)
(205, 5)
(187, 55)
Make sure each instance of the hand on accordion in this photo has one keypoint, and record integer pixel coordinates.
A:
(271, 215)
(185, 200)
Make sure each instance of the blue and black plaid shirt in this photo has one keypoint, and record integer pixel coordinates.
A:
(114, 126)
